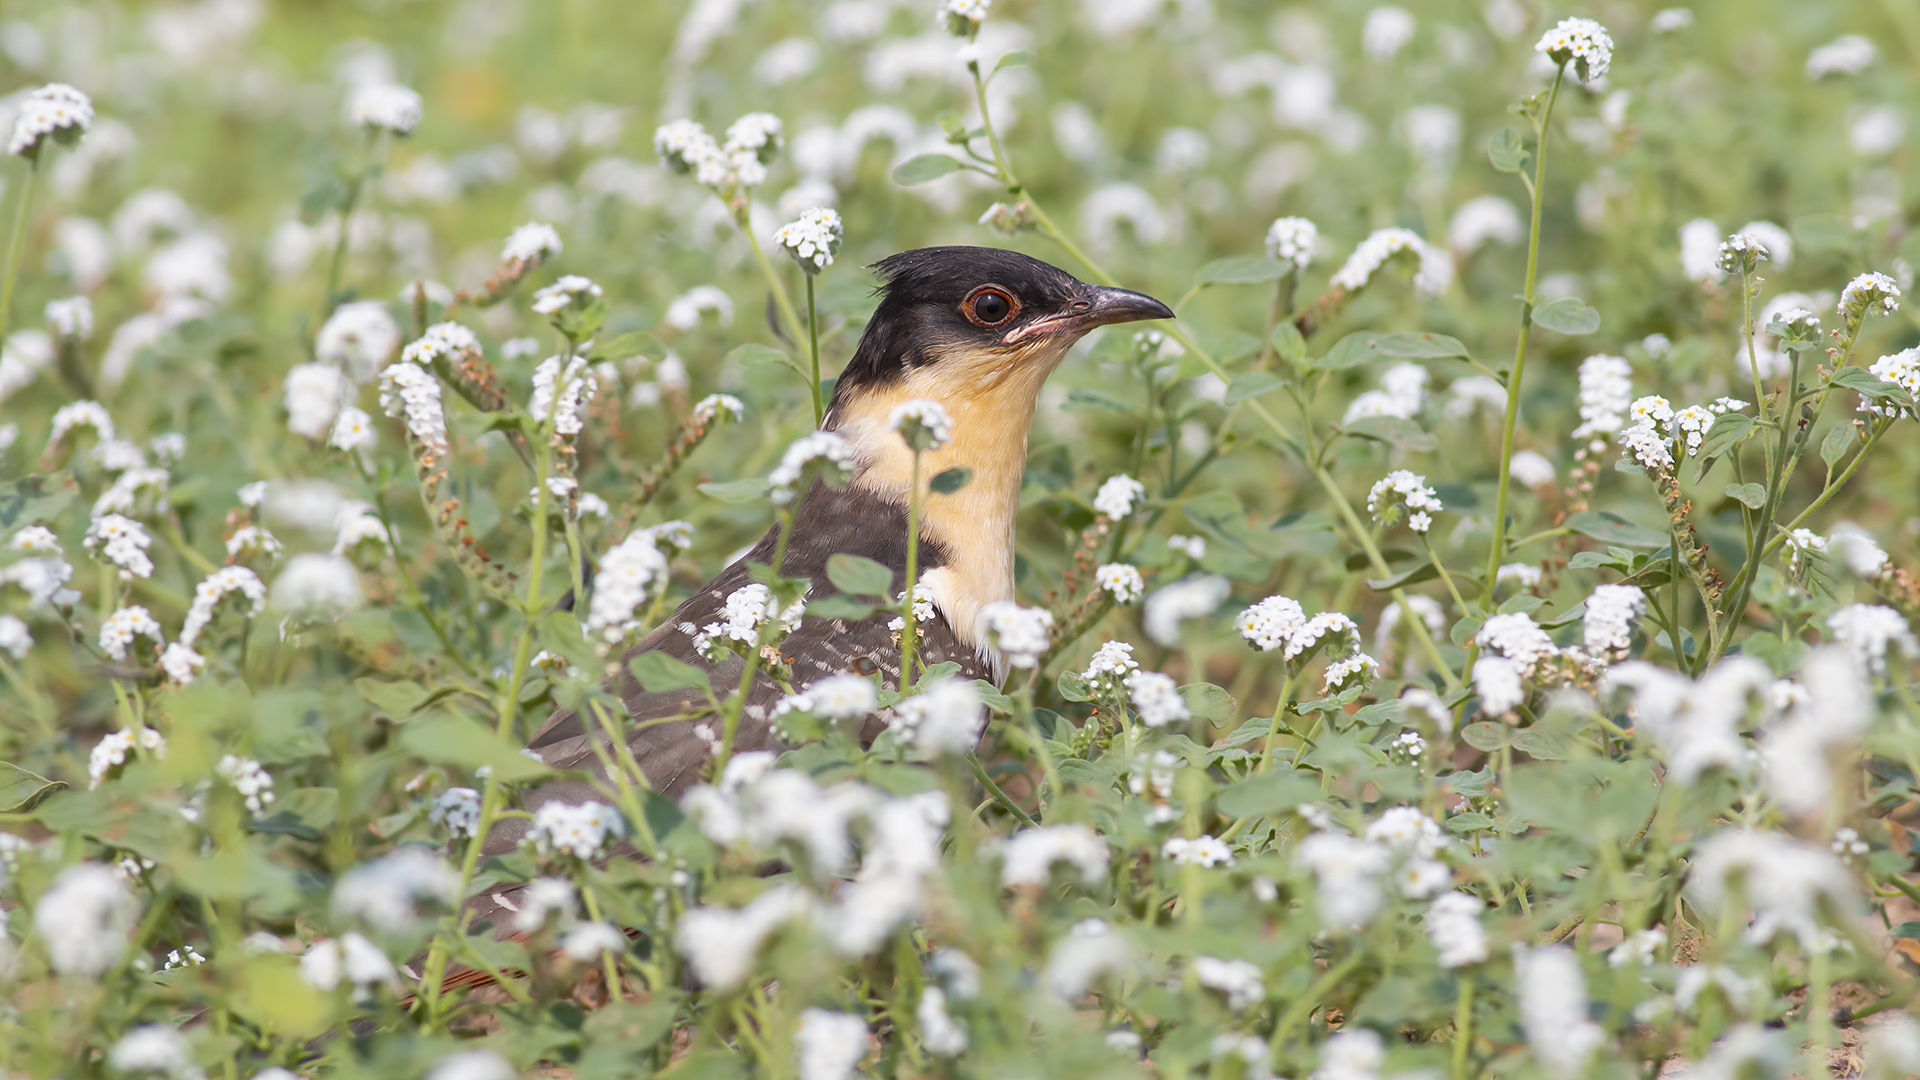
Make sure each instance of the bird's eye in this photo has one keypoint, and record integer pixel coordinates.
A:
(989, 305)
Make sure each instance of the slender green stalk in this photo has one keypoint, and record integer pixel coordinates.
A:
(1463, 1025)
(909, 629)
(354, 187)
(1753, 359)
(1497, 551)
(730, 716)
(1279, 718)
(813, 348)
(1304, 1005)
(21, 212)
(1818, 1008)
(781, 301)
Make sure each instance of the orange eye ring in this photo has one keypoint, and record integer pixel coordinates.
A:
(990, 306)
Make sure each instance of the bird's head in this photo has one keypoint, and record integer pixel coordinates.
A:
(966, 323)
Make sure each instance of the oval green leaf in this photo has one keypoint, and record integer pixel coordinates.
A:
(1567, 315)
(859, 576)
(1243, 270)
(926, 167)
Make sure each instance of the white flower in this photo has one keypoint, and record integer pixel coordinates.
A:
(812, 239)
(352, 431)
(34, 538)
(386, 893)
(1344, 870)
(1866, 630)
(407, 390)
(1801, 543)
(924, 425)
(720, 944)
(1239, 980)
(587, 941)
(15, 638)
(1117, 496)
(1193, 547)
(1552, 995)
(124, 496)
(43, 580)
(1499, 684)
(1387, 30)
(544, 896)
(1192, 597)
(252, 495)
(1532, 469)
(1582, 41)
(1857, 548)
(181, 663)
(629, 574)
(1342, 674)
(1606, 392)
(1108, 669)
(386, 108)
(1352, 1054)
(961, 17)
(565, 293)
(1741, 252)
(1645, 444)
(1487, 219)
(718, 406)
(842, 697)
(316, 583)
(1517, 637)
(250, 778)
(1786, 881)
(154, 1049)
(119, 630)
(582, 831)
(79, 414)
(1403, 391)
(1612, 612)
(458, 809)
(1638, 950)
(1402, 488)
(530, 245)
(70, 319)
(212, 589)
(1453, 924)
(84, 918)
(1028, 855)
(1671, 20)
(829, 1044)
(1156, 698)
(1871, 293)
(1776, 241)
(939, 1034)
(480, 1064)
(1849, 54)
(55, 111)
(1292, 240)
(121, 542)
(824, 446)
(1407, 828)
(1020, 635)
(358, 338)
(447, 340)
(562, 390)
(1121, 581)
(1903, 370)
(1700, 251)
(1203, 851)
(1435, 266)
(1696, 724)
(351, 957)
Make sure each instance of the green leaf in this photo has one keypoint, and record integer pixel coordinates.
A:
(1727, 429)
(1252, 384)
(1463, 631)
(1419, 346)
(950, 480)
(1393, 431)
(659, 673)
(1835, 445)
(1083, 398)
(631, 343)
(926, 167)
(1288, 342)
(1506, 152)
(1483, 735)
(1072, 687)
(754, 354)
(859, 576)
(1752, 496)
(33, 499)
(446, 739)
(1471, 821)
(1609, 527)
(1907, 929)
(745, 489)
(839, 606)
(1017, 58)
(1419, 573)
(396, 699)
(21, 791)
(1266, 794)
(1567, 315)
(1867, 384)
(1350, 351)
(1208, 702)
(1243, 270)
(1543, 745)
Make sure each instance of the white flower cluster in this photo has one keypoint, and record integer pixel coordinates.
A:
(447, 340)
(124, 495)
(566, 292)
(1202, 851)
(1513, 646)
(945, 718)
(1404, 488)
(630, 573)
(753, 141)
(358, 338)
(154, 1050)
(84, 918)
(1552, 995)
(1582, 41)
(812, 239)
(1239, 980)
(1121, 581)
(78, 414)
(350, 957)
(16, 639)
(561, 395)
(1111, 664)
(1848, 54)
(1028, 856)
(458, 809)
(314, 395)
(1612, 612)
(388, 893)
(1435, 271)
(530, 245)
(118, 631)
(824, 446)
(250, 778)
(317, 584)
(122, 542)
(386, 107)
(1020, 635)
(1644, 443)
(70, 319)
(1292, 240)
(1403, 390)
(1741, 253)
(925, 425)
(1606, 389)
(1156, 699)
(836, 697)
(55, 111)
(748, 610)
(718, 406)
(961, 17)
(1787, 882)
(1117, 497)
(408, 391)
(1871, 293)
(923, 607)
(352, 431)
(207, 595)
(111, 752)
(1903, 370)
(1867, 630)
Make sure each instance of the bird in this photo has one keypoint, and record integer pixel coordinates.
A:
(976, 329)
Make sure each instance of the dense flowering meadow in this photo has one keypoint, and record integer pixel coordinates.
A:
(1475, 639)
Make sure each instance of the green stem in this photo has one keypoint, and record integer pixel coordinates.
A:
(21, 212)
(999, 796)
(1304, 1005)
(1279, 718)
(908, 628)
(781, 301)
(1463, 1025)
(1445, 577)
(1497, 552)
(813, 344)
(1753, 360)
(338, 262)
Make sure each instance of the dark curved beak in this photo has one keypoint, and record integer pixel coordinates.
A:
(1097, 305)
